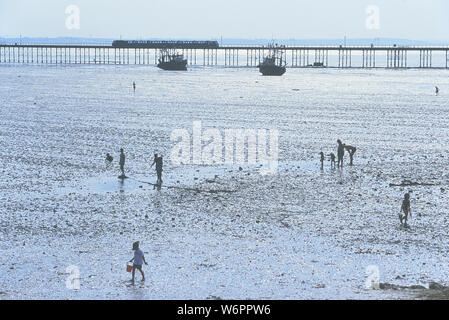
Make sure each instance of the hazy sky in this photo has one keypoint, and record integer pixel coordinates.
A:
(206, 19)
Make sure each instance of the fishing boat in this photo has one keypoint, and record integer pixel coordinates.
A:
(171, 60)
(273, 64)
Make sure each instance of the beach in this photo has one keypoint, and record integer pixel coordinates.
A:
(222, 231)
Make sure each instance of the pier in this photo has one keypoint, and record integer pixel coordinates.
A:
(391, 57)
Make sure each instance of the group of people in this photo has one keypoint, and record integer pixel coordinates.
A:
(139, 258)
(158, 161)
(405, 208)
(340, 154)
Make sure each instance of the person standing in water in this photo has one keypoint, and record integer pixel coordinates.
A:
(437, 90)
(138, 261)
(134, 86)
(340, 153)
(322, 159)
(332, 155)
(351, 150)
(122, 162)
(405, 210)
(159, 164)
(158, 161)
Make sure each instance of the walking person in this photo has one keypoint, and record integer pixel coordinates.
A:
(159, 165)
(405, 210)
(138, 261)
(340, 153)
(122, 163)
(134, 86)
(158, 161)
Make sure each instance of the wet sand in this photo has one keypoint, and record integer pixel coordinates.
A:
(300, 234)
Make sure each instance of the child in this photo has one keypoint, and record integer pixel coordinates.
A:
(405, 210)
(332, 160)
(109, 158)
(138, 260)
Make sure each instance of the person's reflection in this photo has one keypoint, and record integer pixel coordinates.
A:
(122, 188)
(157, 206)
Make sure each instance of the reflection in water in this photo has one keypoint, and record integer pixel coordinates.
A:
(122, 196)
(138, 291)
(121, 185)
(157, 205)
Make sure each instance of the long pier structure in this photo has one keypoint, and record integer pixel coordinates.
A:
(230, 56)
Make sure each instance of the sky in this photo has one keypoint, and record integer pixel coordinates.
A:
(212, 19)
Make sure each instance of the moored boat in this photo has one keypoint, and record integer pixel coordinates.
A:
(172, 61)
(273, 64)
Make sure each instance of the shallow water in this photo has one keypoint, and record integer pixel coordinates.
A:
(300, 234)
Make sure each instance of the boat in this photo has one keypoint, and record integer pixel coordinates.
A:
(171, 60)
(318, 65)
(273, 64)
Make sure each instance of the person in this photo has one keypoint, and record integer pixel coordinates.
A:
(340, 153)
(437, 90)
(322, 159)
(159, 164)
(122, 162)
(134, 86)
(351, 150)
(405, 210)
(158, 161)
(138, 261)
(154, 160)
(109, 158)
(332, 155)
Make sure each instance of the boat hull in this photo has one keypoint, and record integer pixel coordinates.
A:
(272, 70)
(173, 66)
